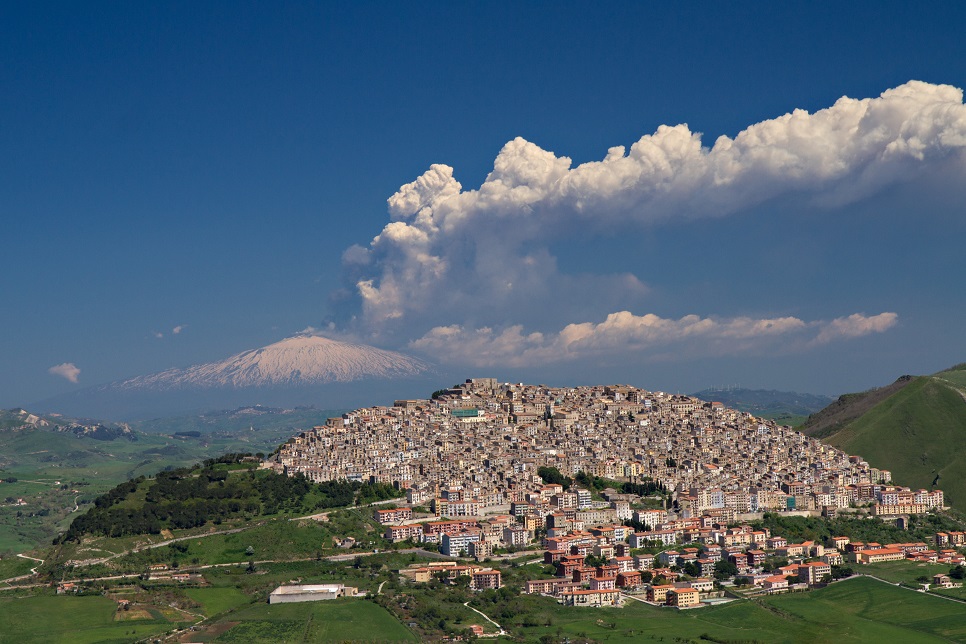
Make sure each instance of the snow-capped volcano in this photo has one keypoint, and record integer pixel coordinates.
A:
(304, 370)
(295, 361)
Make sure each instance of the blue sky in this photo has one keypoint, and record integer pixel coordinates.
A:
(207, 166)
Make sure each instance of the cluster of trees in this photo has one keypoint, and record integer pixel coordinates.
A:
(551, 476)
(186, 498)
(638, 526)
(232, 458)
(796, 529)
(372, 492)
(647, 487)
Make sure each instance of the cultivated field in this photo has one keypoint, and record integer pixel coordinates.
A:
(337, 620)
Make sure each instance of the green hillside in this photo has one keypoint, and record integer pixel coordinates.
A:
(918, 433)
(848, 408)
(49, 476)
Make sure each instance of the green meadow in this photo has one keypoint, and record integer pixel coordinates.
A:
(854, 611)
(49, 619)
(864, 610)
(217, 600)
(340, 620)
(13, 566)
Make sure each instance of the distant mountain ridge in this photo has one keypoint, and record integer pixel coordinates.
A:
(235, 421)
(782, 406)
(21, 420)
(16, 419)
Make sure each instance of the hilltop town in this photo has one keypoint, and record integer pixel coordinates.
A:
(479, 446)
(487, 467)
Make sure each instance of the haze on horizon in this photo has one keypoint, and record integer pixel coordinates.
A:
(672, 198)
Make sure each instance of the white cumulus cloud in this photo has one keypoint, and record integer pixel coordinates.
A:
(178, 329)
(856, 325)
(623, 332)
(65, 370)
(481, 258)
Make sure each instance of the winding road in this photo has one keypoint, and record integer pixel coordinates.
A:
(33, 571)
(502, 632)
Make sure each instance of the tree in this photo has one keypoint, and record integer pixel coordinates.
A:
(958, 572)
(595, 561)
(441, 575)
(637, 525)
(691, 570)
(724, 570)
(551, 475)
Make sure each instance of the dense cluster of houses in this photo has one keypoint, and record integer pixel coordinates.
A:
(681, 575)
(477, 447)
(746, 549)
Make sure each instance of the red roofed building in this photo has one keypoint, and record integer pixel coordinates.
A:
(629, 579)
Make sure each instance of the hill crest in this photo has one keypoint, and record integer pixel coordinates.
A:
(850, 407)
(915, 428)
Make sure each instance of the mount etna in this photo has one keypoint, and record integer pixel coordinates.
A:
(306, 370)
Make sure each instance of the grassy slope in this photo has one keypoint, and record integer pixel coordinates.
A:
(77, 620)
(856, 610)
(867, 610)
(849, 407)
(338, 620)
(217, 600)
(956, 376)
(916, 433)
(40, 458)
